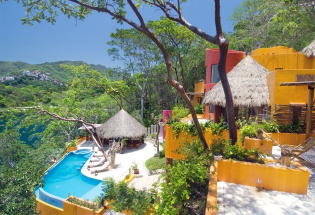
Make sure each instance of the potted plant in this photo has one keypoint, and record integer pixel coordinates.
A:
(135, 169)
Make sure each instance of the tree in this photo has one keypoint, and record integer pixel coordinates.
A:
(47, 10)
(266, 23)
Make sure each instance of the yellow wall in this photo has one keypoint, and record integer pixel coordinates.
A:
(281, 57)
(199, 88)
(46, 209)
(173, 143)
(272, 178)
(263, 146)
(285, 64)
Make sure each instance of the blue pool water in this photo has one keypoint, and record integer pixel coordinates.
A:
(66, 179)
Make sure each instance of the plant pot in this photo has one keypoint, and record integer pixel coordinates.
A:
(136, 171)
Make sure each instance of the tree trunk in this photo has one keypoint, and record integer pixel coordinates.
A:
(229, 107)
(224, 46)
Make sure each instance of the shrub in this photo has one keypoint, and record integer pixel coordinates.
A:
(217, 128)
(250, 130)
(292, 128)
(179, 112)
(126, 198)
(153, 135)
(84, 203)
(155, 163)
(229, 151)
(72, 143)
(199, 109)
(162, 152)
(184, 183)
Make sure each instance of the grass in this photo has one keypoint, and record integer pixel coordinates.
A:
(155, 163)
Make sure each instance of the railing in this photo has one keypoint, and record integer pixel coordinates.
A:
(153, 129)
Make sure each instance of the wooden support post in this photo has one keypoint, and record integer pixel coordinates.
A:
(309, 111)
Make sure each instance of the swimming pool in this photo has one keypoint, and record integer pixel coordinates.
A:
(66, 179)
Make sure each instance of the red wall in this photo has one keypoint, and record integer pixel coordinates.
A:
(212, 57)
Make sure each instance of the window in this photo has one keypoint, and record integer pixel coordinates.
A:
(211, 108)
(215, 78)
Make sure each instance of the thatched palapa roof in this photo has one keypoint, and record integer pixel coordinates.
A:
(122, 125)
(309, 50)
(248, 82)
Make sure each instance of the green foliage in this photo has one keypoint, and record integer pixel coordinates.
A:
(179, 112)
(81, 202)
(162, 152)
(153, 135)
(179, 127)
(272, 23)
(184, 182)
(21, 169)
(199, 109)
(292, 128)
(235, 152)
(125, 198)
(72, 143)
(217, 128)
(250, 130)
(155, 163)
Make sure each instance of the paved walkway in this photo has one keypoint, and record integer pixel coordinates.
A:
(236, 199)
(123, 162)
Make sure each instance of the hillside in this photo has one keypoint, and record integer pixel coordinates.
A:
(53, 69)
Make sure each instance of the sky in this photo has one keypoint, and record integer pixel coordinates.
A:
(70, 39)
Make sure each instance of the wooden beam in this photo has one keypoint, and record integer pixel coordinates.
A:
(301, 83)
(309, 111)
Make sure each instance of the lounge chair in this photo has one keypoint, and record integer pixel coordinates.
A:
(295, 152)
(95, 160)
(100, 163)
(103, 169)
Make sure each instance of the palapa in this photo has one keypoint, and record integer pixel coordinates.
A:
(121, 125)
(248, 82)
(309, 51)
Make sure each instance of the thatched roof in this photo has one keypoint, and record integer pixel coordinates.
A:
(248, 82)
(309, 50)
(121, 125)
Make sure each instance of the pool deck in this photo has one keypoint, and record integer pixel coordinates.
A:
(123, 162)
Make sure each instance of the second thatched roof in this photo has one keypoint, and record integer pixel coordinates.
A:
(309, 50)
(248, 82)
(121, 125)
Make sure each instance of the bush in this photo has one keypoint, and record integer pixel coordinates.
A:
(217, 128)
(229, 151)
(84, 203)
(292, 128)
(251, 130)
(179, 112)
(184, 183)
(155, 163)
(126, 198)
(162, 152)
(153, 135)
(199, 109)
(72, 143)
